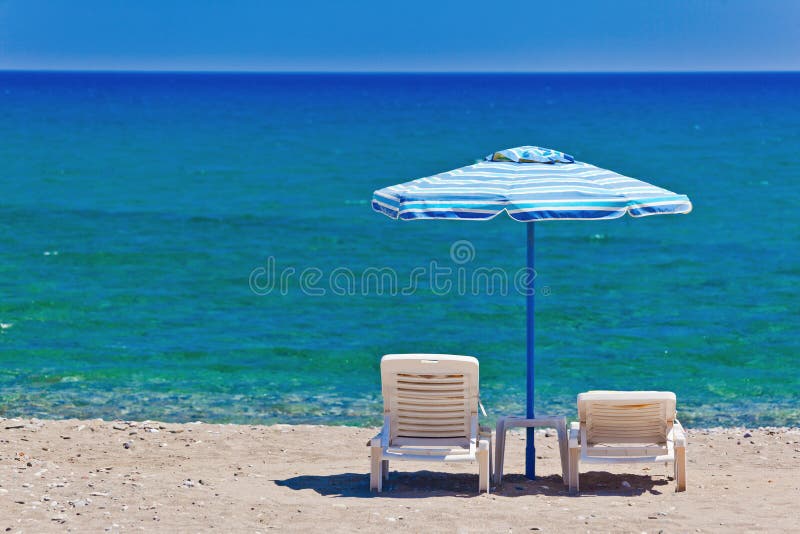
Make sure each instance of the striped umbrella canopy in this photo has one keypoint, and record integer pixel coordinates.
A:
(530, 184)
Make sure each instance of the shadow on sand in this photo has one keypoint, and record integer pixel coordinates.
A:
(433, 484)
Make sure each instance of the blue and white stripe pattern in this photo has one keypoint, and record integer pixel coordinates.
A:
(527, 191)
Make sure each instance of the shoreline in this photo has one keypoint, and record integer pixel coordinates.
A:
(6, 421)
(96, 475)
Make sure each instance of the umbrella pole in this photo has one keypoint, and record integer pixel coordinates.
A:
(530, 450)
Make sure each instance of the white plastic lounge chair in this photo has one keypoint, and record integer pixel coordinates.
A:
(627, 427)
(430, 414)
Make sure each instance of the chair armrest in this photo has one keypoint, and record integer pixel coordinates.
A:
(381, 439)
(574, 433)
(678, 434)
(376, 441)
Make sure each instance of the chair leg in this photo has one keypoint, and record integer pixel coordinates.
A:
(680, 468)
(491, 464)
(500, 452)
(574, 470)
(483, 467)
(376, 475)
(385, 469)
(563, 450)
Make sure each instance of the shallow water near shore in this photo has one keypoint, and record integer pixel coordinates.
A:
(135, 207)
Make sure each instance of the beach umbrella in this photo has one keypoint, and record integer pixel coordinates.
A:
(530, 184)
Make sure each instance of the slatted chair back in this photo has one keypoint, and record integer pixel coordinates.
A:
(626, 416)
(430, 399)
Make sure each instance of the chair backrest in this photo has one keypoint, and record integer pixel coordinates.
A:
(626, 416)
(429, 397)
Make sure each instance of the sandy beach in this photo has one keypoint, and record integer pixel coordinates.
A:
(95, 476)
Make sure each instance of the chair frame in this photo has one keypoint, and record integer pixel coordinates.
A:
(673, 449)
(426, 445)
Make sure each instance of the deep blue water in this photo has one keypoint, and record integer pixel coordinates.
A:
(134, 207)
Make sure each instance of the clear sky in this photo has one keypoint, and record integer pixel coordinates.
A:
(401, 35)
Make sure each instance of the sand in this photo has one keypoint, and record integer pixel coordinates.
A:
(95, 476)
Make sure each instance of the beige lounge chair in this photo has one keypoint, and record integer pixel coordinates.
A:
(430, 414)
(627, 427)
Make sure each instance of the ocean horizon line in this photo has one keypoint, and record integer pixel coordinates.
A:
(396, 72)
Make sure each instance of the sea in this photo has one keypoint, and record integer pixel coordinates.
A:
(201, 246)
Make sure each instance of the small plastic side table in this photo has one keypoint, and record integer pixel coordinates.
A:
(559, 422)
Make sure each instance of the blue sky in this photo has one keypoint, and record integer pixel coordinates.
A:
(410, 35)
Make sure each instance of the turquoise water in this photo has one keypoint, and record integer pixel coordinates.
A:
(134, 208)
